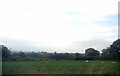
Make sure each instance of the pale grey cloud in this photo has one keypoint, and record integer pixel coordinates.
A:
(56, 23)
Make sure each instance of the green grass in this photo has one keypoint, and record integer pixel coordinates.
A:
(60, 67)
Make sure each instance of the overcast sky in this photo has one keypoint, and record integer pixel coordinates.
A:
(58, 25)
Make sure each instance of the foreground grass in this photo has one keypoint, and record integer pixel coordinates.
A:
(60, 67)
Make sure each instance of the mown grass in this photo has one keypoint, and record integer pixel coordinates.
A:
(60, 67)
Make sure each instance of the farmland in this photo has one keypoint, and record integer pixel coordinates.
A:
(60, 67)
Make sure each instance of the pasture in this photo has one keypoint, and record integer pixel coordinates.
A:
(60, 67)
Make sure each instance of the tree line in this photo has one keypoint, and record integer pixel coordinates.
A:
(110, 53)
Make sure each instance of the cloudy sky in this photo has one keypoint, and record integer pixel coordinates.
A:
(58, 25)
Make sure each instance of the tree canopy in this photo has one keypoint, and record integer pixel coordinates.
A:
(92, 52)
(112, 52)
(6, 53)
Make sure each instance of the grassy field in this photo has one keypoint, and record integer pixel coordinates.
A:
(60, 67)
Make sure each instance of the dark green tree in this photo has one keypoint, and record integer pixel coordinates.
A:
(6, 53)
(77, 56)
(91, 52)
(113, 52)
(22, 54)
(115, 49)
